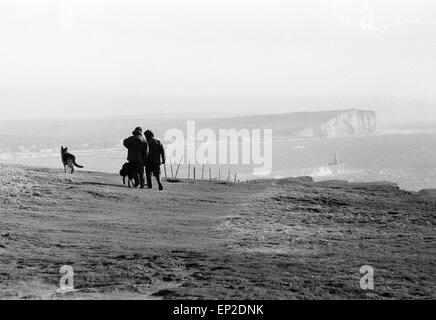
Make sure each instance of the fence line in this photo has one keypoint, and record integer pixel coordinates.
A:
(194, 173)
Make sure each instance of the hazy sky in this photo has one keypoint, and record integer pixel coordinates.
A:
(212, 48)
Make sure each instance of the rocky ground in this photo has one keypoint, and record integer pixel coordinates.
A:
(272, 239)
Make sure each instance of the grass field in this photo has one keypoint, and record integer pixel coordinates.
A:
(272, 239)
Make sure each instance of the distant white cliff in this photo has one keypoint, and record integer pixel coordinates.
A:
(350, 122)
(334, 123)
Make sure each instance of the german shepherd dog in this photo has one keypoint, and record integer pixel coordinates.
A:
(68, 160)
(131, 173)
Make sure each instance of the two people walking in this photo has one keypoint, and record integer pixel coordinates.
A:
(145, 154)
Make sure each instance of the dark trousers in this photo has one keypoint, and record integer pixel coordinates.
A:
(153, 169)
(140, 176)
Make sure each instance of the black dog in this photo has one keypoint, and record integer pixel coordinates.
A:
(129, 171)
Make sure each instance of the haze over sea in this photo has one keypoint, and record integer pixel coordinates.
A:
(405, 155)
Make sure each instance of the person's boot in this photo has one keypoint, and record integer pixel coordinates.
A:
(136, 182)
(149, 183)
(160, 186)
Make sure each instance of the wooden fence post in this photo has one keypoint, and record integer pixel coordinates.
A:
(189, 170)
(171, 166)
(178, 167)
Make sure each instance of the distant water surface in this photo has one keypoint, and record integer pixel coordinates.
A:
(407, 158)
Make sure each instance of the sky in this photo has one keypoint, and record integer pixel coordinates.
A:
(114, 57)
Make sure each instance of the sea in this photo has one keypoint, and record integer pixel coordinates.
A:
(405, 155)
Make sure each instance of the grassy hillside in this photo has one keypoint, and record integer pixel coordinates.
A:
(275, 239)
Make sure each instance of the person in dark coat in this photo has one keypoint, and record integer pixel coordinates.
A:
(155, 157)
(137, 154)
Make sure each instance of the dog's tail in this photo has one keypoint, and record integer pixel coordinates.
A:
(77, 165)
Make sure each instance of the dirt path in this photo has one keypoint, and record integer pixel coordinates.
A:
(273, 239)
